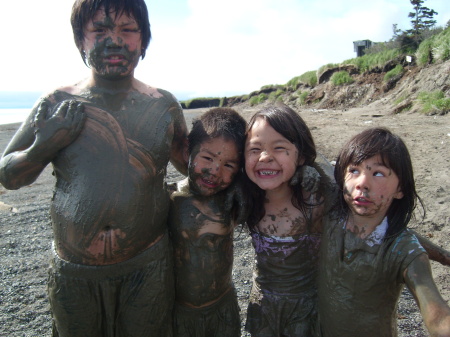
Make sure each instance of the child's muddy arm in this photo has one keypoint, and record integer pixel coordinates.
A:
(237, 200)
(179, 151)
(434, 309)
(435, 252)
(310, 178)
(38, 141)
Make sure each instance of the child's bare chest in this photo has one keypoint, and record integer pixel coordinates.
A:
(283, 222)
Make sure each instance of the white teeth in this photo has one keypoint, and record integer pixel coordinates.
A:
(267, 173)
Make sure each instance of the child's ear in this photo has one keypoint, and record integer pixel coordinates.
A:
(398, 194)
(301, 161)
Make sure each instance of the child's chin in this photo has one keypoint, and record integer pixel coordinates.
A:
(207, 192)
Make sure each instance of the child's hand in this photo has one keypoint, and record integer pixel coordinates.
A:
(310, 178)
(237, 196)
(64, 124)
(58, 130)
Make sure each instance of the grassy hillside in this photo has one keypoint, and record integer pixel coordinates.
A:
(360, 81)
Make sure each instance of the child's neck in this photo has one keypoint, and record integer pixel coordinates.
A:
(362, 226)
(111, 85)
(279, 198)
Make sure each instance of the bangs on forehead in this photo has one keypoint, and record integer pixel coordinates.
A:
(360, 154)
(109, 8)
(83, 11)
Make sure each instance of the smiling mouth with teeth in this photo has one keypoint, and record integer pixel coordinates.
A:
(209, 182)
(114, 59)
(267, 173)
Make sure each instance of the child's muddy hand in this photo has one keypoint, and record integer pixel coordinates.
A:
(310, 178)
(236, 201)
(62, 126)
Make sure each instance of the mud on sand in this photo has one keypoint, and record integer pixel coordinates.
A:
(25, 234)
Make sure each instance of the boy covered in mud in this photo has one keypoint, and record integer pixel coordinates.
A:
(109, 139)
(202, 228)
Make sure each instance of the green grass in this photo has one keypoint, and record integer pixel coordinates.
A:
(400, 99)
(258, 99)
(341, 78)
(394, 72)
(434, 103)
(303, 96)
(327, 66)
(308, 78)
(434, 49)
(276, 95)
(370, 61)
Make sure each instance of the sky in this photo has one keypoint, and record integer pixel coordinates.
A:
(204, 48)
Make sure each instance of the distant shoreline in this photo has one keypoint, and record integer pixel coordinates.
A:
(24, 112)
(9, 125)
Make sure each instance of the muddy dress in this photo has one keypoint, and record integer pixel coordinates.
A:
(284, 293)
(360, 282)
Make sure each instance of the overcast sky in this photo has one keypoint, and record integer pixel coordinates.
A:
(204, 48)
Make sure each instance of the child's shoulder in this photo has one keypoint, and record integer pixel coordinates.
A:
(406, 242)
(153, 92)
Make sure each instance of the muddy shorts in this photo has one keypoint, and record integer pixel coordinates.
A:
(281, 315)
(130, 298)
(220, 319)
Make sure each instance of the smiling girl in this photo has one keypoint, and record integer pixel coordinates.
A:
(285, 223)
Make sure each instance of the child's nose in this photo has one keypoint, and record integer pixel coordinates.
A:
(265, 157)
(362, 182)
(113, 40)
(217, 170)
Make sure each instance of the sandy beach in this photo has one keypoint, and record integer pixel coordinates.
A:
(25, 235)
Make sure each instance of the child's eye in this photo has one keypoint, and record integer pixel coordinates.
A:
(130, 30)
(98, 30)
(353, 170)
(229, 166)
(207, 158)
(378, 174)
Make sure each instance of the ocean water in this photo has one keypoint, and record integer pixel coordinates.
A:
(15, 106)
(9, 116)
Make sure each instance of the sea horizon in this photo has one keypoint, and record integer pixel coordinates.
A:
(15, 106)
(13, 116)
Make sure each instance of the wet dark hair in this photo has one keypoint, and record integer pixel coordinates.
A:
(218, 122)
(394, 155)
(84, 10)
(290, 125)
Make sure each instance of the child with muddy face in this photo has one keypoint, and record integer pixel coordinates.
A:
(367, 252)
(285, 222)
(109, 139)
(202, 228)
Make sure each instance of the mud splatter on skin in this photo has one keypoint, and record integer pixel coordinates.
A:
(97, 54)
(109, 201)
(282, 222)
(211, 170)
(205, 174)
(203, 243)
(109, 43)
